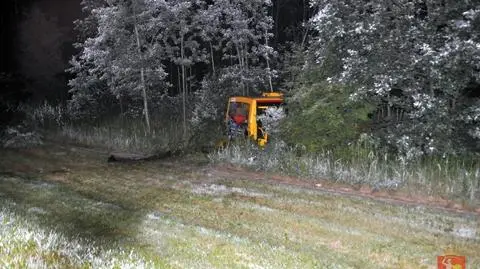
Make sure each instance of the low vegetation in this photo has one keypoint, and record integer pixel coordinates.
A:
(26, 245)
(65, 206)
(124, 133)
(451, 178)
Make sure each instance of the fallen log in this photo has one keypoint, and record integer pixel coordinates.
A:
(132, 157)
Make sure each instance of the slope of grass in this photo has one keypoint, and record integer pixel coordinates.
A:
(181, 214)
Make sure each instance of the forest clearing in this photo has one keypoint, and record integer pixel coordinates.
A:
(239, 134)
(66, 206)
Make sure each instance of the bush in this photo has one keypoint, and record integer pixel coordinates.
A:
(210, 104)
(20, 137)
(321, 116)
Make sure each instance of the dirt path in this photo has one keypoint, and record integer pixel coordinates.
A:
(232, 172)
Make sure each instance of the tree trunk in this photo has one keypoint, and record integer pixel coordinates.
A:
(389, 107)
(305, 23)
(240, 63)
(184, 89)
(132, 157)
(142, 74)
(245, 65)
(211, 55)
(145, 100)
(268, 64)
(189, 80)
(179, 80)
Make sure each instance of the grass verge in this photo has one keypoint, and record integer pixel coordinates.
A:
(448, 178)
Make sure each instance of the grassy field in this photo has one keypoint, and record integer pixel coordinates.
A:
(66, 207)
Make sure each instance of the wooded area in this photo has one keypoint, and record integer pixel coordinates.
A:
(399, 75)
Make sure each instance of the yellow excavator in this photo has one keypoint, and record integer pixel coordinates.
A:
(242, 116)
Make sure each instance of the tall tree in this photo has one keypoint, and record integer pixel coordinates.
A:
(210, 21)
(181, 34)
(246, 27)
(124, 51)
(237, 35)
(416, 56)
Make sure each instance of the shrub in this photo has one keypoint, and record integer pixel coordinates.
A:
(20, 137)
(321, 116)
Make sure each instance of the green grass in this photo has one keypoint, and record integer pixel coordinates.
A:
(182, 214)
(123, 136)
(25, 244)
(114, 132)
(452, 178)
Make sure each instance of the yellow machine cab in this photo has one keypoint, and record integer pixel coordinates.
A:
(242, 117)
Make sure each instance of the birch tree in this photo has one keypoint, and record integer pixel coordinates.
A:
(124, 56)
(246, 28)
(236, 35)
(180, 34)
(132, 41)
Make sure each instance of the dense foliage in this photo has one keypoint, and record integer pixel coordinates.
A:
(322, 117)
(416, 62)
(142, 52)
(407, 73)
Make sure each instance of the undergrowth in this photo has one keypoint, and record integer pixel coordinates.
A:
(124, 136)
(449, 177)
(118, 133)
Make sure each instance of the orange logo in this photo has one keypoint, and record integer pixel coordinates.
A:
(451, 262)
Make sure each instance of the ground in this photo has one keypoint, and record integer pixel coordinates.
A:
(187, 213)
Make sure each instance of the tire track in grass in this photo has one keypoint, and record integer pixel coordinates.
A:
(195, 217)
(372, 218)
